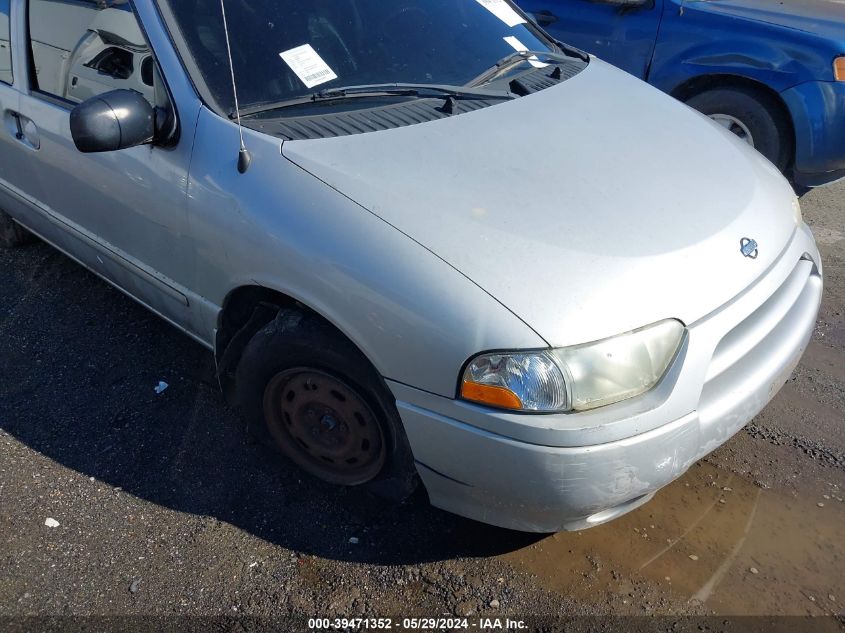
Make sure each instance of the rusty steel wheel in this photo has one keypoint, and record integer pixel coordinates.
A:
(309, 392)
(324, 426)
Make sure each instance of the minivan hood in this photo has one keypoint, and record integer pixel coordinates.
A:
(588, 209)
(820, 17)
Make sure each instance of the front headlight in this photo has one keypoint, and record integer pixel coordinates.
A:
(574, 378)
(839, 68)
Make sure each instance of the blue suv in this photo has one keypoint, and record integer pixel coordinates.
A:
(772, 72)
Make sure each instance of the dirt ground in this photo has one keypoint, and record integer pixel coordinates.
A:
(164, 508)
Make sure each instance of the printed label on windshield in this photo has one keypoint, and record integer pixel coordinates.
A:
(519, 46)
(308, 65)
(503, 11)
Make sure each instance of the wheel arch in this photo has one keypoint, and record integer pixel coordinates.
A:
(246, 309)
(702, 83)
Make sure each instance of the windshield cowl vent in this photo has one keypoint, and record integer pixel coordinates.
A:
(390, 116)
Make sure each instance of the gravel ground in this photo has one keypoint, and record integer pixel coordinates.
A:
(160, 506)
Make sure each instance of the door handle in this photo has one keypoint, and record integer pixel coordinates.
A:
(545, 17)
(25, 130)
(16, 127)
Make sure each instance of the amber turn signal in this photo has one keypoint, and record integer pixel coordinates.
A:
(493, 396)
(839, 68)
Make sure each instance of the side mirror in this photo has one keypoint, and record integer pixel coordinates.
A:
(115, 120)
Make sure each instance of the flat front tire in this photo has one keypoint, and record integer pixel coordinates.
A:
(310, 393)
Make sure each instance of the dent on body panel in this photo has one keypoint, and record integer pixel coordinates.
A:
(702, 44)
(576, 481)
(615, 473)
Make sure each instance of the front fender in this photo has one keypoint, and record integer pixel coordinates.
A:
(818, 113)
(697, 41)
(413, 315)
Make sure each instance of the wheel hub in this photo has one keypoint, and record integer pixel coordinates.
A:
(734, 125)
(325, 426)
(329, 422)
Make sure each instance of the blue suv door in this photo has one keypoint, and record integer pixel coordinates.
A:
(623, 35)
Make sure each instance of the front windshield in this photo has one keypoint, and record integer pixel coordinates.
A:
(283, 49)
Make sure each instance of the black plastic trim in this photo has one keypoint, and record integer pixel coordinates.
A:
(437, 472)
(405, 113)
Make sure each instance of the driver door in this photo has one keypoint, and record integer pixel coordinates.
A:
(622, 36)
(17, 171)
(123, 213)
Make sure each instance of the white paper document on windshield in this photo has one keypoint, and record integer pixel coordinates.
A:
(519, 46)
(308, 65)
(503, 11)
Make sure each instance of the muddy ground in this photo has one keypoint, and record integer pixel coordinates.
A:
(164, 508)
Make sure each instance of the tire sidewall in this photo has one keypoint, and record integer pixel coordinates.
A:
(295, 340)
(756, 112)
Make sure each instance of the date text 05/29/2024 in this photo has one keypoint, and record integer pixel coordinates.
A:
(415, 624)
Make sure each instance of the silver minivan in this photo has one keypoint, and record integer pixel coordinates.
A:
(423, 241)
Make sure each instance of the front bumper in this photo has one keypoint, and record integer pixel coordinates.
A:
(544, 473)
(818, 115)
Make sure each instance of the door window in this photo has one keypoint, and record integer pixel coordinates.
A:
(83, 48)
(5, 43)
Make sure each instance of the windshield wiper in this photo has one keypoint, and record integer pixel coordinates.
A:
(443, 91)
(518, 57)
